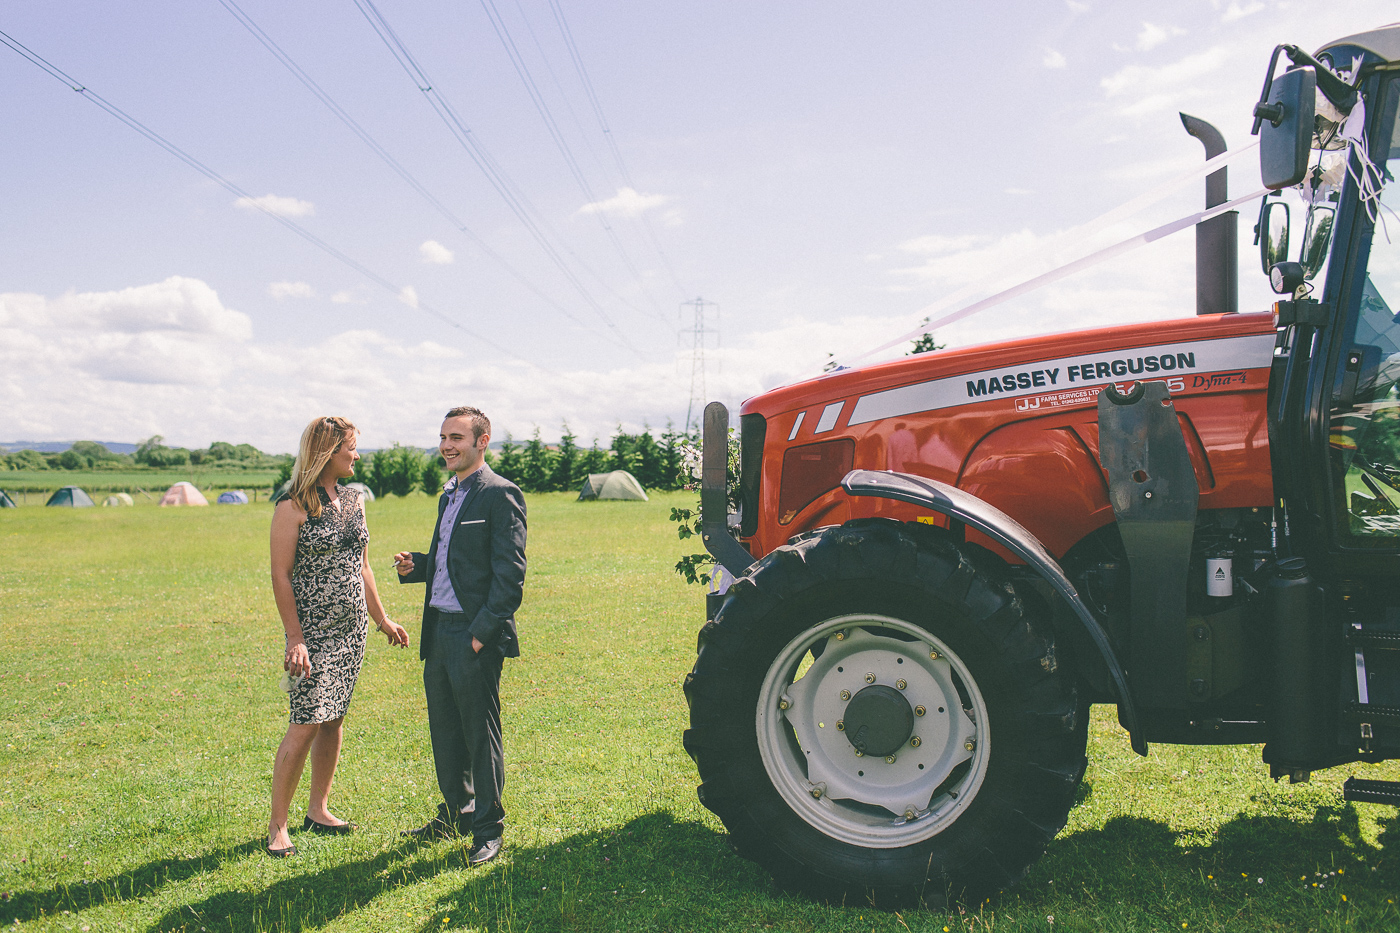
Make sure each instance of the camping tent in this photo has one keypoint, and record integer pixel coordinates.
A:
(70, 496)
(366, 493)
(233, 497)
(118, 498)
(619, 484)
(183, 493)
(6, 502)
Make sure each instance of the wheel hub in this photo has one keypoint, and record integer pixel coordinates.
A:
(878, 720)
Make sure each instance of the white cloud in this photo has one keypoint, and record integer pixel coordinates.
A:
(1176, 81)
(935, 244)
(409, 296)
(345, 297)
(1153, 35)
(276, 204)
(1077, 8)
(434, 252)
(280, 290)
(1053, 59)
(1240, 10)
(627, 202)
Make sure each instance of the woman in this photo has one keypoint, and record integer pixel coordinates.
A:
(324, 589)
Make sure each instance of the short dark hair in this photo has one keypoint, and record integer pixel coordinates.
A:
(480, 423)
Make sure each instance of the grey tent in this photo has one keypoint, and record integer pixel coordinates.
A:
(6, 502)
(233, 497)
(619, 484)
(118, 499)
(70, 496)
(365, 492)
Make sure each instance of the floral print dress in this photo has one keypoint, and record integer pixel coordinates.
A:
(329, 587)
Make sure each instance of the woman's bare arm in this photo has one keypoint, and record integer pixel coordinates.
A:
(396, 633)
(287, 519)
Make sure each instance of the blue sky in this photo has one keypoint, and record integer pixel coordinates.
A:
(823, 172)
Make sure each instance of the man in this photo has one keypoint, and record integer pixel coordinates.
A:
(475, 572)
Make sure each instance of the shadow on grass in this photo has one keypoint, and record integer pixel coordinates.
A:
(1137, 861)
(651, 873)
(581, 882)
(126, 886)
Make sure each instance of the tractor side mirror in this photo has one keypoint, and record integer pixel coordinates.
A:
(1273, 234)
(1286, 128)
(1317, 234)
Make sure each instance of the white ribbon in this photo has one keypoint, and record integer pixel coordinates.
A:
(1054, 275)
(1081, 233)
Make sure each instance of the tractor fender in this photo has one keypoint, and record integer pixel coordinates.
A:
(1004, 530)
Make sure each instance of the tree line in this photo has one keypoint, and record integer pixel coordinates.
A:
(534, 466)
(90, 455)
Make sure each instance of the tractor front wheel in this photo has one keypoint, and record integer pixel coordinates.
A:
(874, 717)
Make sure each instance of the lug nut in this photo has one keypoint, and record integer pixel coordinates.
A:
(901, 683)
(969, 745)
(910, 814)
(933, 654)
(919, 711)
(889, 759)
(783, 704)
(870, 678)
(840, 636)
(915, 742)
(840, 725)
(845, 694)
(817, 793)
(860, 754)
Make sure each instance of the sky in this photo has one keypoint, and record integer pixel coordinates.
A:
(530, 234)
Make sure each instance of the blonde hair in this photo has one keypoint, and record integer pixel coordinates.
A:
(319, 442)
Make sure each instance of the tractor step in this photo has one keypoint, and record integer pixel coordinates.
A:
(1372, 791)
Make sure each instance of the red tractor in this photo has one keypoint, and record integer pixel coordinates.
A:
(940, 562)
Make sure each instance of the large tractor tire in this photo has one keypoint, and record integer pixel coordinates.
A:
(877, 720)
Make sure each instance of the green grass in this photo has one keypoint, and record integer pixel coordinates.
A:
(139, 712)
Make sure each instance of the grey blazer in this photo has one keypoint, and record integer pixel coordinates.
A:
(485, 562)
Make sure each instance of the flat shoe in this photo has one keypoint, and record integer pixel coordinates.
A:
(484, 852)
(435, 829)
(282, 853)
(327, 829)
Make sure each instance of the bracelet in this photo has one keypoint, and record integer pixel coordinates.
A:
(380, 625)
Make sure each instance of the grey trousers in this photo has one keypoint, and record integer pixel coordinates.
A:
(464, 722)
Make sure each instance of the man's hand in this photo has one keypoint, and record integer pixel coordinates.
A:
(403, 563)
(477, 645)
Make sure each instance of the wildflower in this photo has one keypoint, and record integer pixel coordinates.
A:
(1210, 877)
(1261, 880)
(1344, 897)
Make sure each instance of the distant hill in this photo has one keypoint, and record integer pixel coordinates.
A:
(58, 447)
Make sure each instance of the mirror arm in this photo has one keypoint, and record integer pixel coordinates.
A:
(1263, 110)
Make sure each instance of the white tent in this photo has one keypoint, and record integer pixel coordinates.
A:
(366, 493)
(118, 498)
(619, 484)
(183, 493)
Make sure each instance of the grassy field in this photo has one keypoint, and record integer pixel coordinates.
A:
(39, 483)
(139, 712)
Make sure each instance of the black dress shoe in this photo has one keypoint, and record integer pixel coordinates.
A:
(327, 829)
(282, 853)
(483, 852)
(434, 829)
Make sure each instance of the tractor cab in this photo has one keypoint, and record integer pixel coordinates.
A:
(1330, 138)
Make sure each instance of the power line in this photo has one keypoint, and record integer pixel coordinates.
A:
(542, 108)
(151, 135)
(286, 60)
(597, 106)
(698, 332)
(505, 187)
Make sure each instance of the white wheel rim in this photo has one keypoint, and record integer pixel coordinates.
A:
(871, 801)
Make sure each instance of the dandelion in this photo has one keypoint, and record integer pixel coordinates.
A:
(1344, 897)
(1210, 877)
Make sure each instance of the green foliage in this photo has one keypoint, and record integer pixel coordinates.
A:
(397, 470)
(284, 472)
(595, 460)
(510, 464)
(26, 460)
(153, 453)
(924, 343)
(536, 465)
(567, 462)
(699, 568)
(433, 465)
